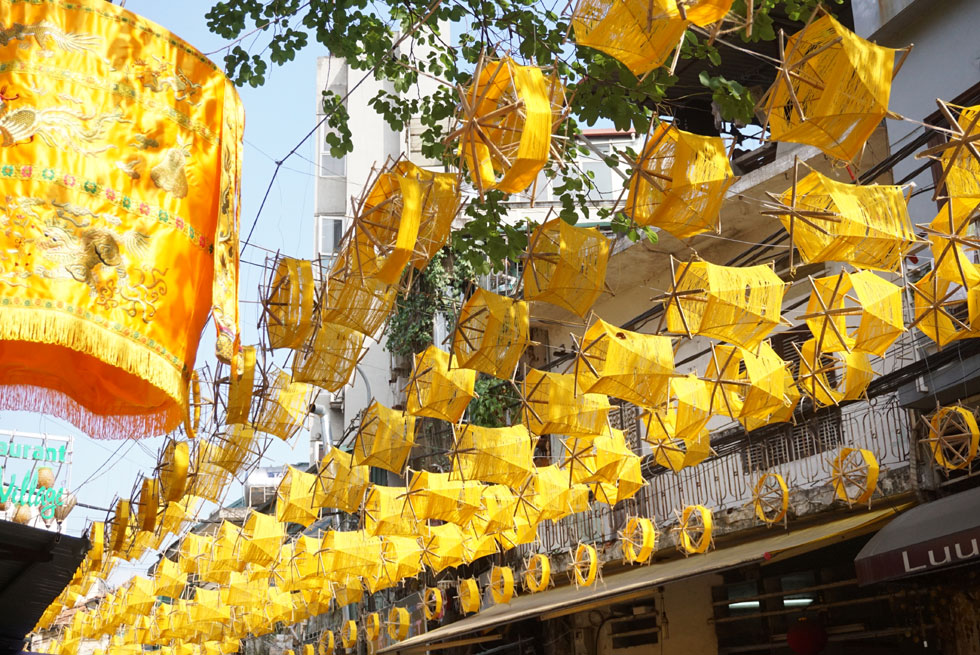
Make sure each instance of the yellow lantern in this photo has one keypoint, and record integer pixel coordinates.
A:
(831, 90)
(355, 298)
(740, 305)
(508, 115)
(287, 303)
(639, 539)
(433, 603)
(491, 334)
(551, 405)
(854, 475)
(679, 182)
(537, 573)
(442, 546)
(641, 35)
(284, 407)
(493, 455)
(263, 536)
(953, 437)
(385, 438)
(128, 197)
(297, 498)
(585, 565)
(566, 266)
(867, 226)
(469, 596)
(695, 530)
(435, 390)
(240, 386)
(627, 365)
(398, 623)
(328, 361)
(852, 370)
(341, 486)
(938, 309)
(502, 584)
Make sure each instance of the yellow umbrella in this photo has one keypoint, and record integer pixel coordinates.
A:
(341, 486)
(491, 334)
(297, 498)
(436, 391)
(551, 405)
(566, 266)
(385, 438)
(494, 455)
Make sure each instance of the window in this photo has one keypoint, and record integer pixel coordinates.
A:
(331, 232)
(330, 166)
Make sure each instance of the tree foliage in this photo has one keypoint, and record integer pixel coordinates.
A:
(369, 36)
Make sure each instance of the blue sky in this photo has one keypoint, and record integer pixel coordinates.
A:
(277, 116)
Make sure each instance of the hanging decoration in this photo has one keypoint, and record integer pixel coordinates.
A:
(469, 596)
(128, 258)
(694, 533)
(566, 266)
(953, 437)
(384, 438)
(493, 455)
(537, 573)
(502, 584)
(770, 498)
(740, 305)
(552, 405)
(585, 565)
(341, 486)
(507, 118)
(436, 391)
(959, 156)
(639, 539)
(854, 475)
(491, 334)
(355, 298)
(831, 89)
(852, 372)
(433, 602)
(287, 302)
(329, 358)
(679, 182)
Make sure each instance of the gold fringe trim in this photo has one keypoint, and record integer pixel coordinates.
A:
(38, 325)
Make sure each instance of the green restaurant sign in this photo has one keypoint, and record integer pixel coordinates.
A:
(33, 470)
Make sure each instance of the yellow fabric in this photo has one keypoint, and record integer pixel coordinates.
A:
(435, 390)
(389, 217)
(705, 12)
(952, 231)
(627, 365)
(785, 413)
(109, 274)
(289, 303)
(355, 297)
(680, 182)
(433, 602)
(493, 455)
(552, 405)
(876, 302)
(744, 383)
(240, 386)
(689, 541)
(491, 334)
(341, 486)
(263, 536)
(348, 590)
(469, 596)
(435, 496)
(854, 475)
(193, 548)
(169, 580)
(235, 448)
(502, 584)
(350, 554)
(442, 546)
(939, 309)
(209, 479)
(639, 33)
(497, 512)
(548, 495)
(685, 415)
(870, 227)
(585, 565)
(325, 644)
(401, 557)
(385, 438)
(853, 372)
(284, 407)
(297, 498)
(617, 474)
(148, 504)
(386, 512)
(740, 305)
(441, 202)
(330, 359)
(398, 623)
(566, 266)
(476, 546)
(537, 575)
(842, 89)
(963, 180)
(953, 437)
(507, 150)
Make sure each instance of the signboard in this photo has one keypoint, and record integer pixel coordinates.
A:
(35, 471)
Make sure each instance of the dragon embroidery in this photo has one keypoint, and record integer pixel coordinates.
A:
(161, 78)
(48, 36)
(57, 127)
(81, 253)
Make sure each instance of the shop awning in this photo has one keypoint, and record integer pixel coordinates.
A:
(640, 582)
(35, 566)
(940, 534)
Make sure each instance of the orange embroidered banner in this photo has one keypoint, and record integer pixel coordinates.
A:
(120, 154)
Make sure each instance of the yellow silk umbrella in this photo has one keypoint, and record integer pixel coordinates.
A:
(355, 298)
(348, 590)
(328, 361)
(169, 580)
(287, 303)
(507, 118)
(284, 407)
(491, 333)
(436, 391)
(551, 405)
(262, 537)
(436, 496)
(442, 546)
(386, 512)
(548, 495)
(852, 371)
(831, 90)
(401, 557)
(746, 383)
(740, 305)
(129, 195)
(385, 438)
(353, 553)
(679, 182)
(494, 455)
(627, 365)
(867, 226)
(566, 266)
(341, 486)
(497, 511)
(297, 498)
(476, 546)
(641, 35)
(938, 306)
(951, 235)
